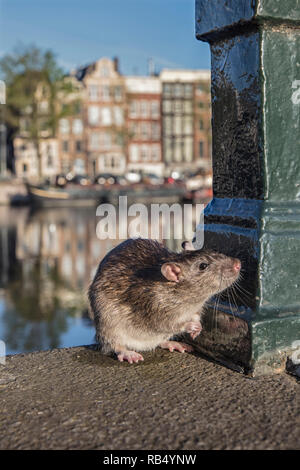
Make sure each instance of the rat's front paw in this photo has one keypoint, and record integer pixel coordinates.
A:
(194, 328)
(130, 356)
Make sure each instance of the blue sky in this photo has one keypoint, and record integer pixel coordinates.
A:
(81, 31)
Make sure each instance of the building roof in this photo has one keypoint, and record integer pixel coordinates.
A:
(184, 75)
(136, 84)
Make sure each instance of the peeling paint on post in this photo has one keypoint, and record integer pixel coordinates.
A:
(255, 213)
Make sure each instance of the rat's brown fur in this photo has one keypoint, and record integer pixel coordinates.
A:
(136, 307)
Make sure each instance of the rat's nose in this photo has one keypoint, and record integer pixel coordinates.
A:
(237, 265)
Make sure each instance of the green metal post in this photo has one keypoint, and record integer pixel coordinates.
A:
(255, 213)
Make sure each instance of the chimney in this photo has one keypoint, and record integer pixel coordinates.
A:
(116, 64)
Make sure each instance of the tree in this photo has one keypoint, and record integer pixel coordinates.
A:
(38, 95)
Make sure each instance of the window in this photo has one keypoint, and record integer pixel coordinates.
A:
(119, 139)
(93, 115)
(43, 106)
(105, 93)
(79, 166)
(77, 107)
(133, 109)
(65, 165)
(106, 116)
(25, 167)
(78, 146)
(188, 125)
(65, 146)
(178, 90)
(118, 93)
(155, 131)
(177, 125)
(188, 149)
(177, 106)
(200, 89)
(144, 108)
(64, 126)
(134, 153)
(167, 125)
(155, 109)
(49, 161)
(201, 149)
(133, 130)
(201, 125)
(178, 150)
(25, 124)
(145, 134)
(155, 153)
(168, 149)
(104, 71)
(106, 140)
(77, 126)
(188, 107)
(118, 116)
(44, 124)
(188, 90)
(167, 106)
(167, 89)
(144, 153)
(93, 92)
(95, 141)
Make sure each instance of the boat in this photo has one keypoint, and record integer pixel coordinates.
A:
(81, 196)
(47, 196)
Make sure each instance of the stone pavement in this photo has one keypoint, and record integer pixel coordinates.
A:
(77, 398)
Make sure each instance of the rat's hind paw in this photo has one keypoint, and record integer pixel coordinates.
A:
(130, 356)
(175, 346)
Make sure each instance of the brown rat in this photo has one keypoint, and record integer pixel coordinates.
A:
(143, 294)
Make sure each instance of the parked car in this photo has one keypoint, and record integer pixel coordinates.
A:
(106, 179)
(133, 177)
(82, 180)
(60, 181)
(151, 178)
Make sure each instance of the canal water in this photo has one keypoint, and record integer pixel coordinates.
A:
(47, 260)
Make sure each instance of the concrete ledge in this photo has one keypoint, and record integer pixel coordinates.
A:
(79, 399)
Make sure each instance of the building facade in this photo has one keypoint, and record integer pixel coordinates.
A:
(104, 117)
(185, 142)
(72, 146)
(144, 124)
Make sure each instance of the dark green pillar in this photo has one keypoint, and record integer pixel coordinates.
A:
(255, 213)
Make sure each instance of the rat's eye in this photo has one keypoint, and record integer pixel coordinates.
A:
(203, 266)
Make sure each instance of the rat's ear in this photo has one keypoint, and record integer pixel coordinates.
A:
(171, 271)
(188, 246)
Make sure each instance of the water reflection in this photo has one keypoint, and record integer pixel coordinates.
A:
(47, 259)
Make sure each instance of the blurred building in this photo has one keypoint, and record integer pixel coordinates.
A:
(144, 124)
(112, 123)
(72, 145)
(26, 159)
(60, 150)
(185, 119)
(104, 117)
